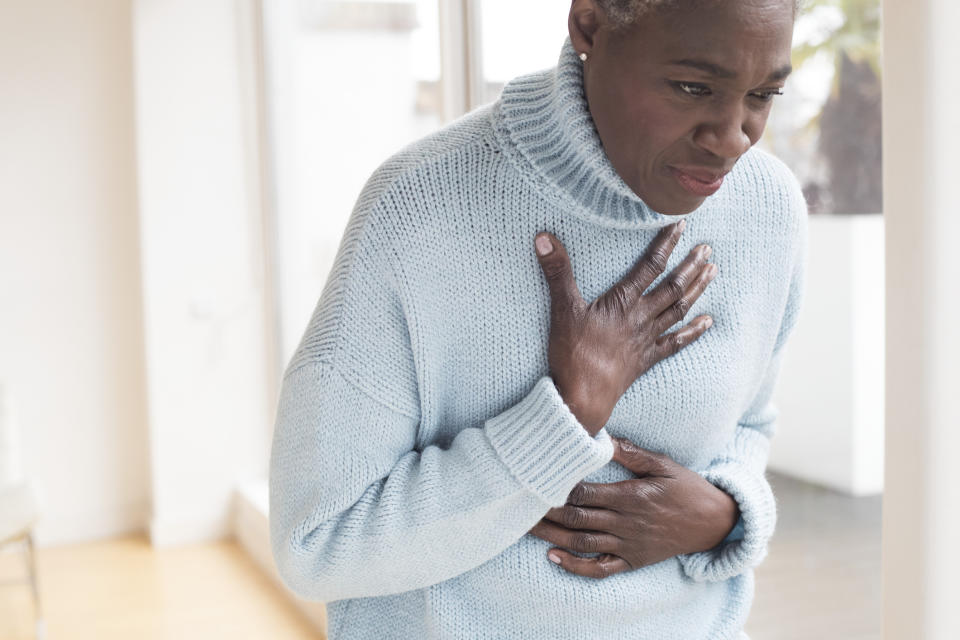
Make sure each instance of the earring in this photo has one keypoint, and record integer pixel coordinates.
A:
(583, 57)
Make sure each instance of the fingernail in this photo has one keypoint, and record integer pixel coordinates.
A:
(708, 250)
(708, 323)
(682, 225)
(544, 246)
(554, 558)
(713, 270)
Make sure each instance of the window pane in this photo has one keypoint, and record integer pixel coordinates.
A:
(519, 38)
(349, 83)
(827, 126)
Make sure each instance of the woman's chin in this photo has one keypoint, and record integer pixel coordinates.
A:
(668, 198)
(674, 206)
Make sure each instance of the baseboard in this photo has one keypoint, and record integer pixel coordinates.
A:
(91, 526)
(171, 531)
(252, 530)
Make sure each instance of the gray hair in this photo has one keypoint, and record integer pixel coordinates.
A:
(623, 13)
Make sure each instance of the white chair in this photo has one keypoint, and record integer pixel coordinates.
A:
(18, 505)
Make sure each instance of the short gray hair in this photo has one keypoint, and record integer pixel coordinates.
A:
(623, 13)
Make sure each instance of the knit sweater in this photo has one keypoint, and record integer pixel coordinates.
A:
(419, 436)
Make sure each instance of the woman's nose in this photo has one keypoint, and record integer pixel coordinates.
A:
(725, 136)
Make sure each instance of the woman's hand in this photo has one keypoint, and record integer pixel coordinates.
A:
(666, 511)
(598, 350)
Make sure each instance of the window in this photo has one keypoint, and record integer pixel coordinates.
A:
(827, 127)
(510, 46)
(348, 84)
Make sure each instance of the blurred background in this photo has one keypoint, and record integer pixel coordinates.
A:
(174, 180)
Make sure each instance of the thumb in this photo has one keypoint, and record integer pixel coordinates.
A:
(642, 462)
(555, 264)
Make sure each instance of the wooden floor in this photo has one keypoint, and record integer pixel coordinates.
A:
(821, 580)
(123, 589)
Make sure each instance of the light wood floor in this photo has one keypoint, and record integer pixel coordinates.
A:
(821, 580)
(123, 589)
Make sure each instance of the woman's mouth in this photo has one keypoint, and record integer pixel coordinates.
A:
(699, 182)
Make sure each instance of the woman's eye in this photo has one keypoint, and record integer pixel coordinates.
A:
(767, 95)
(693, 89)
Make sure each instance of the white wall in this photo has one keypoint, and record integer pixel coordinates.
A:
(71, 341)
(830, 388)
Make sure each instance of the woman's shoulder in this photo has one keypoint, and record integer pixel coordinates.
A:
(469, 133)
(763, 185)
(765, 172)
(403, 195)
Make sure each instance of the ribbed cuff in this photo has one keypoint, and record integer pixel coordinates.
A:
(758, 512)
(544, 445)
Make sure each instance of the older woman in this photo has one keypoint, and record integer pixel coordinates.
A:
(465, 447)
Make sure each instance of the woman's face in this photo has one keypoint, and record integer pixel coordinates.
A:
(678, 97)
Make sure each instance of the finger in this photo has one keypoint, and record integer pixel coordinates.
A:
(653, 262)
(594, 519)
(604, 495)
(670, 343)
(580, 541)
(672, 288)
(641, 462)
(555, 264)
(599, 567)
(676, 311)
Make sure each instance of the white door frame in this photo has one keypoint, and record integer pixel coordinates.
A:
(921, 138)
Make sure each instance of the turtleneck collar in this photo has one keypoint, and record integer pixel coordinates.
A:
(545, 126)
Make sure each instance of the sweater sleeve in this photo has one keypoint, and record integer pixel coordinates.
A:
(359, 505)
(740, 468)
(356, 510)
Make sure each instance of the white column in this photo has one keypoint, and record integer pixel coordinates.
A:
(461, 57)
(921, 509)
(201, 221)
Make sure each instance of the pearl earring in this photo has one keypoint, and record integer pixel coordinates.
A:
(583, 57)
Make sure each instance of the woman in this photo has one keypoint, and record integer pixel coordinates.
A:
(466, 448)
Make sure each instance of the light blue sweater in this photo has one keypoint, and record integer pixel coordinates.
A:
(418, 437)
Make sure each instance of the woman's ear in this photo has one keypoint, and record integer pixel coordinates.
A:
(583, 23)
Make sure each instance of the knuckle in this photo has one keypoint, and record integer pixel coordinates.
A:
(656, 462)
(573, 517)
(676, 286)
(631, 289)
(577, 495)
(646, 492)
(650, 491)
(583, 542)
(638, 492)
(649, 272)
(677, 342)
(620, 297)
(662, 459)
(658, 261)
(553, 269)
(563, 305)
(630, 450)
(680, 308)
(705, 277)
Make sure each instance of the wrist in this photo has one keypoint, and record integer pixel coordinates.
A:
(725, 515)
(590, 419)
